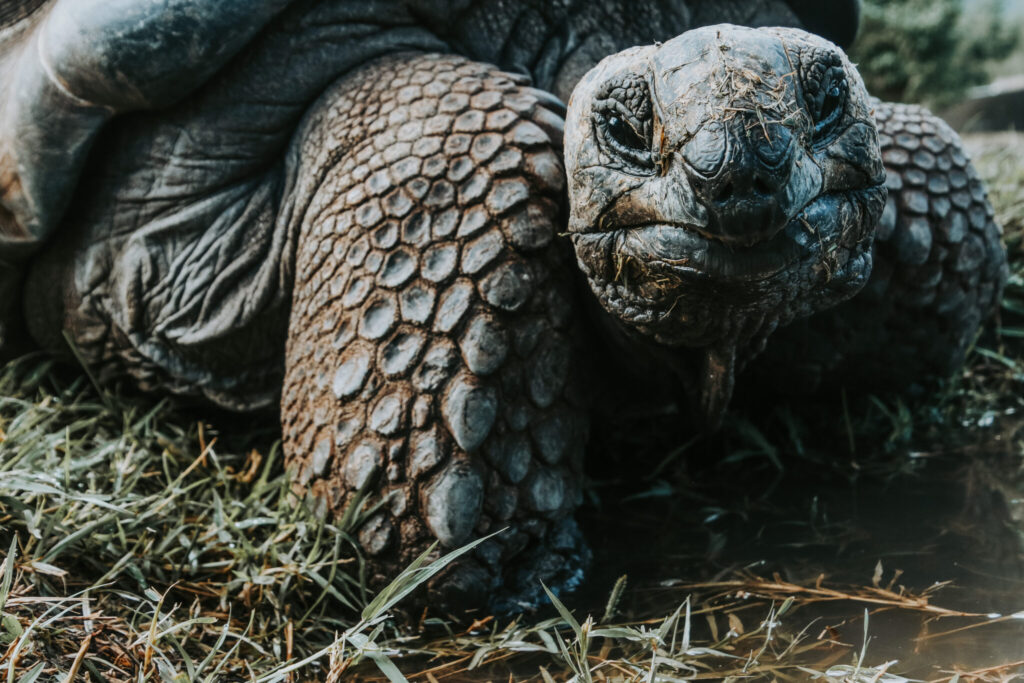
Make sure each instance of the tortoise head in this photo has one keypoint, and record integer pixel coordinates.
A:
(721, 184)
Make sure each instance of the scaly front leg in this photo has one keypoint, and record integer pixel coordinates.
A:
(433, 351)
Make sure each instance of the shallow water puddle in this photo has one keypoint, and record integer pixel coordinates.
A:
(929, 543)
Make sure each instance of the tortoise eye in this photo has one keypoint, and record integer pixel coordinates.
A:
(629, 148)
(831, 106)
(623, 123)
(832, 102)
(624, 134)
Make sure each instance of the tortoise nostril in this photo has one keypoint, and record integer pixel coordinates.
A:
(725, 192)
(747, 206)
(757, 187)
(763, 188)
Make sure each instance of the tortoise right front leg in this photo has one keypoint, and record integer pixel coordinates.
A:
(433, 352)
(938, 275)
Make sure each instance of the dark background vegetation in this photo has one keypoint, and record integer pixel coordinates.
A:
(934, 51)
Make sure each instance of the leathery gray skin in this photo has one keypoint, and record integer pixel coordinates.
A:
(720, 185)
(352, 211)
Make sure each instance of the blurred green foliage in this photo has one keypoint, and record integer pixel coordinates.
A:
(932, 51)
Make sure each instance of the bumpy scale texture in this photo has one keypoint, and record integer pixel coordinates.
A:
(431, 350)
(939, 268)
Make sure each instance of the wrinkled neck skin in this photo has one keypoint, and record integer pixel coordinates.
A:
(654, 374)
(699, 376)
(557, 41)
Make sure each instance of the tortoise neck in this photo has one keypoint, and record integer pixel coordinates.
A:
(555, 43)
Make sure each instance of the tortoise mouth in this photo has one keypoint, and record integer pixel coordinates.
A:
(688, 252)
(685, 250)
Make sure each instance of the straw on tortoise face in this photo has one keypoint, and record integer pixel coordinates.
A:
(721, 184)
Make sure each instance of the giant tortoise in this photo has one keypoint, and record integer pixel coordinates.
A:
(377, 219)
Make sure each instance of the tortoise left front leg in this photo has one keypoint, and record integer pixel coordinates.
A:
(434, 354)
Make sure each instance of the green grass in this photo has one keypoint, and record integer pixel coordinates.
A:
(142, 545)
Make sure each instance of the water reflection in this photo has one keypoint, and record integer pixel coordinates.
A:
(804, 506)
